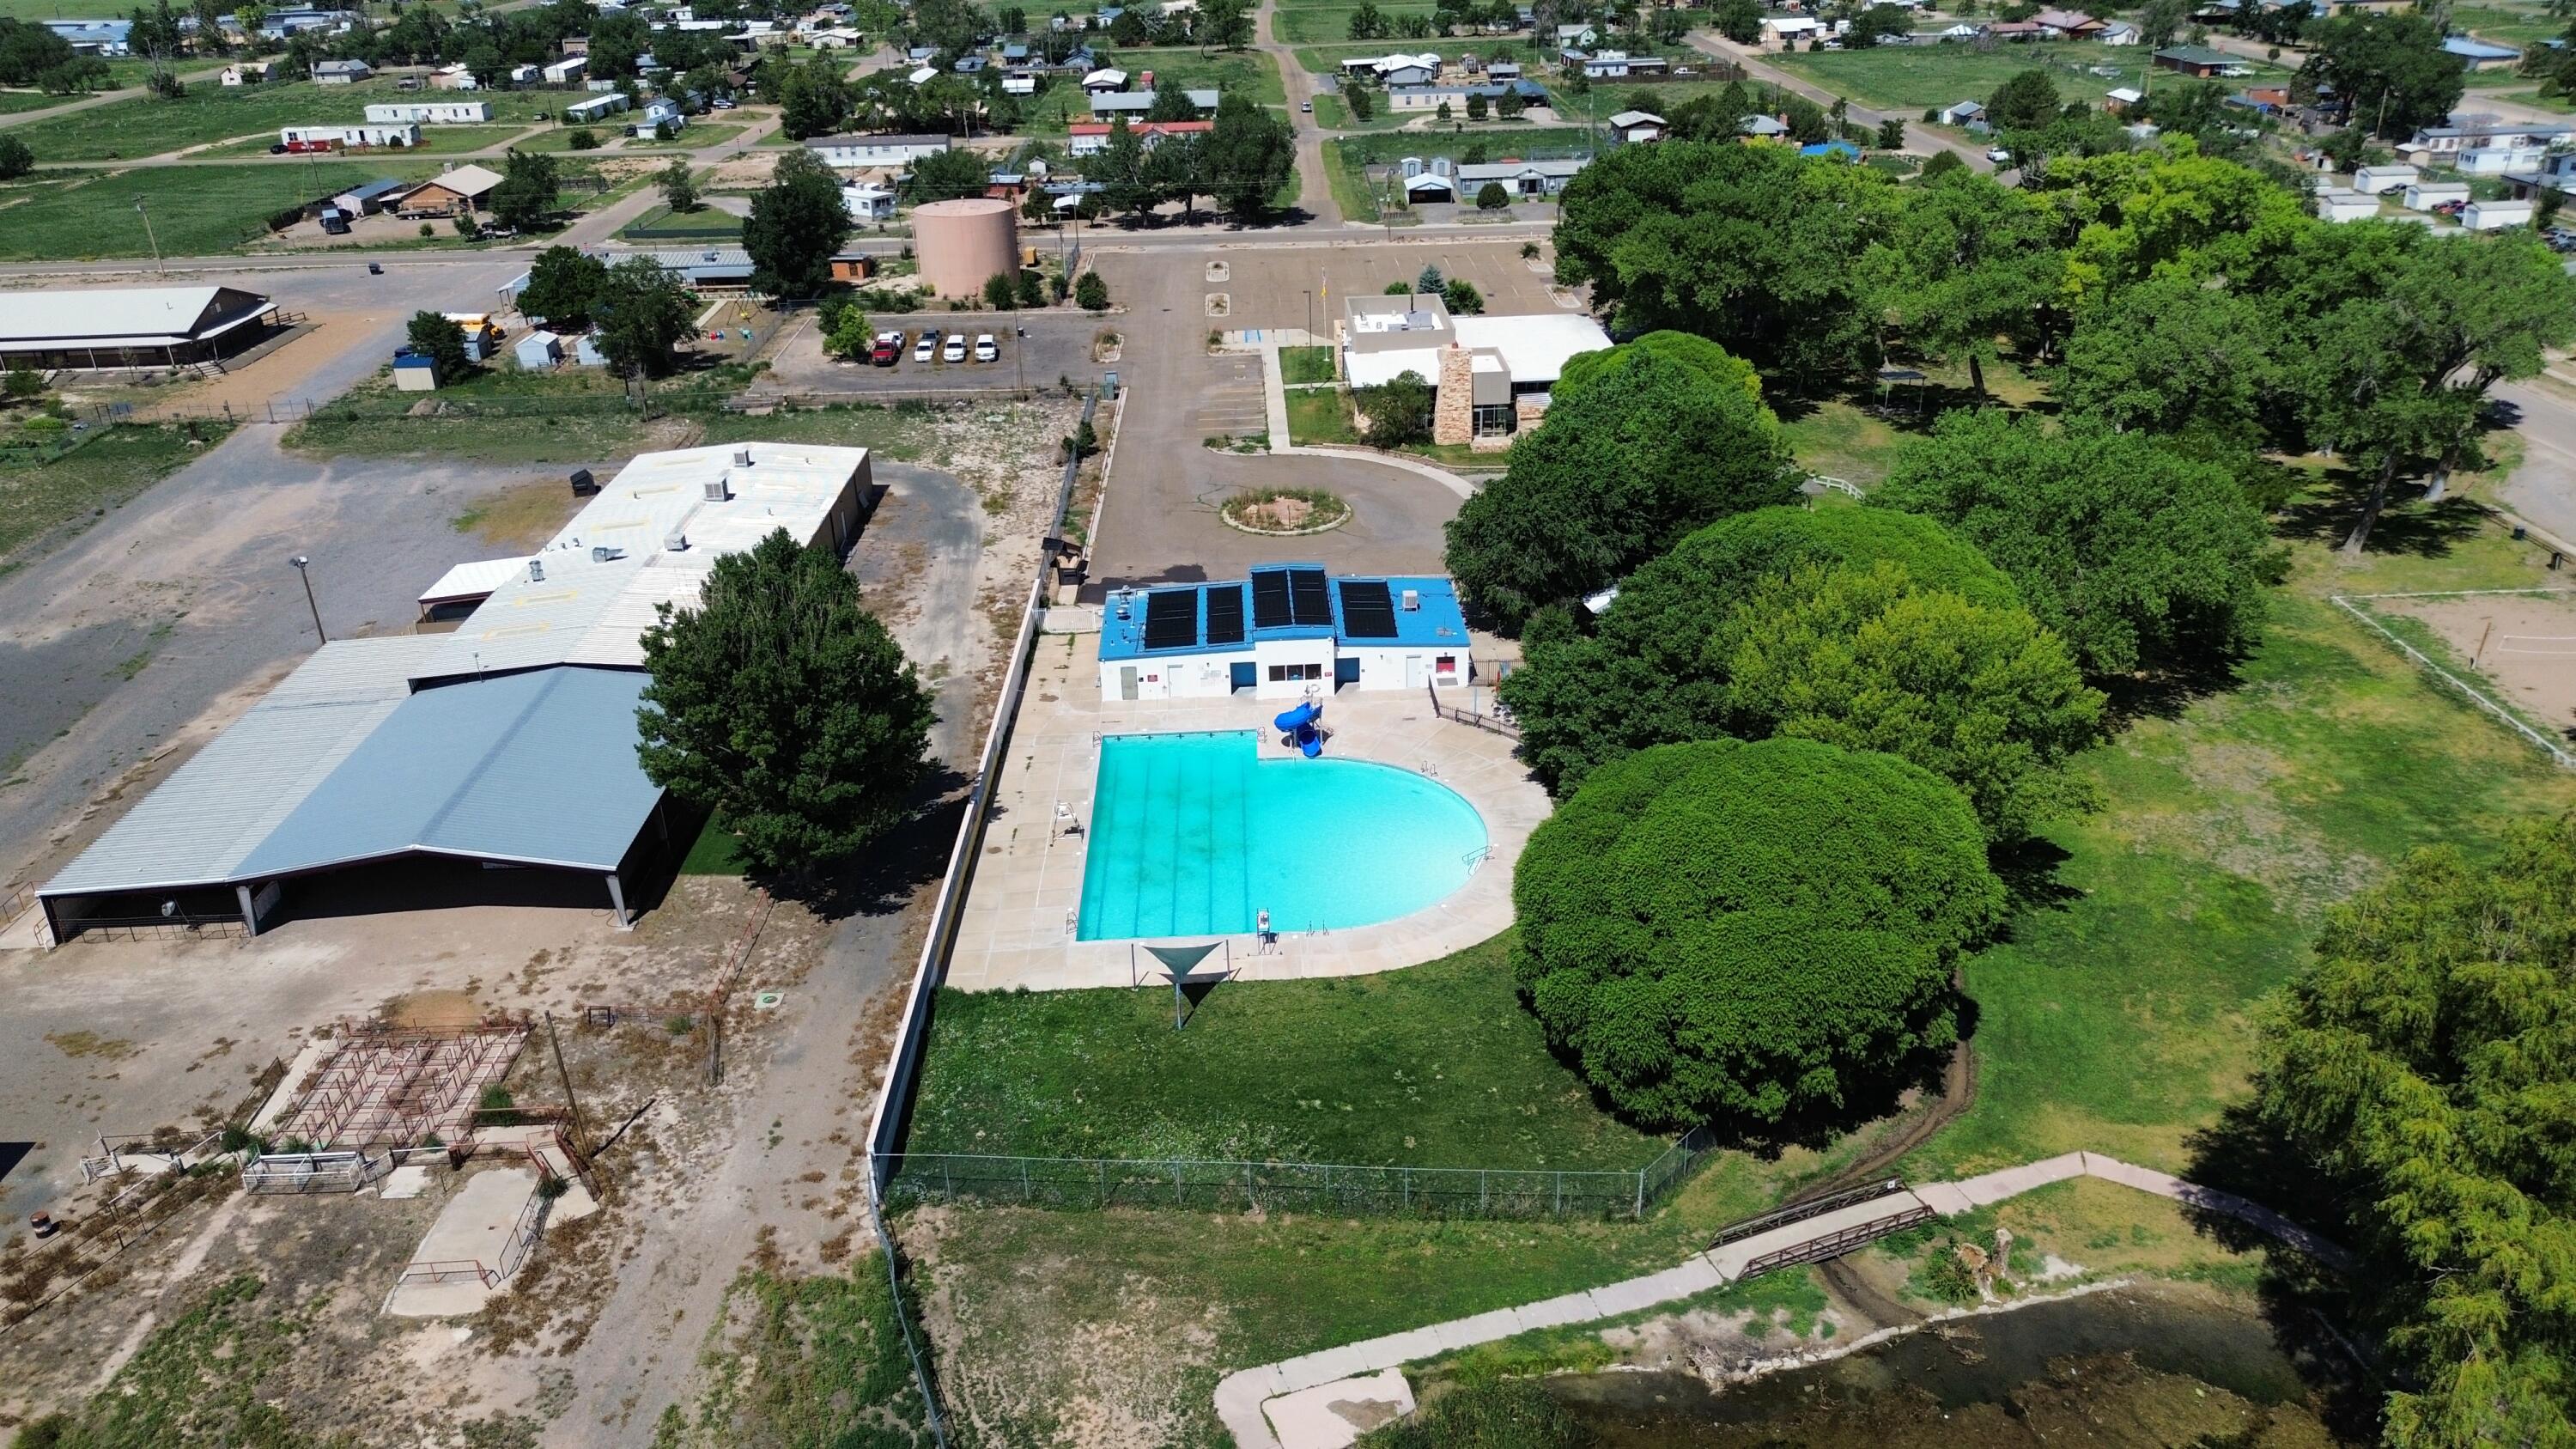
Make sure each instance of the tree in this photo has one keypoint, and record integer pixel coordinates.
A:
(2392, 69)
(1750, 933)
(2161, 20)
(1461, 297)
(642, 311)
(1368, 22)
(813, 100)
(999, 292)
(15, 159)
(679, 188)
(1635, 451)
(617, 39)
(1397, 411)
(1647, 673)
(1738, 20)
(1224, 24)
(1121, 169)
(1356, 97)
(1249, 156)
(1090, 293)
(525, 199)
(2026, 101)
(1793, 285)
(1975, 262)
(441, 342)
(21, 384)
(1891, 134)
(29, 52)
(2422, 1065)
(949, 175)
(849, 334)
(783, 706)
(1477, 107)
(2140, 558)
(796, 225)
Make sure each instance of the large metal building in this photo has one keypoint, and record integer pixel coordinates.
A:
(129, 326)
(507, 744)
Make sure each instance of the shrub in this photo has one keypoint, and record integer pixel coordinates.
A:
(1398, 411)
(1090, 293)
(1751, 932)
(1492, 197)
(583, 139)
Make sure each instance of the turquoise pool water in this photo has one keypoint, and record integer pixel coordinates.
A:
(1194, 834)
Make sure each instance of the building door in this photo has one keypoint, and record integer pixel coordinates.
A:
(1346, 670)
(1126, 681)
(1243, 677)
(1415, 677)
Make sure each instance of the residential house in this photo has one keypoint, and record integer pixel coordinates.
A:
(576, 45)
(2480, 55)
(373, 197)
(2121, 32)
(868, 203)
(1960, 31)
(94, 37)
(453, 78)
(592, 109)
(458, 192)
(2341, 206)
(2197, 61)
(1763, 128)
(1577, 36)
(656, 113)
(2426, 195)
(307, 138)
(340, 72)
(1019, 83)
(1090, 138)
(1105, 80)
(2498, 160)
(1491, 375)
(2069, 24)
(866, 152)
(1962, 113)
(1634, 126)
(431, 113)
(564, 72)
(2119, 100)
(1521, 178)
(1455, 97)
(1781, 30)
(250, 73)
(2496, 215)
(522, 75)
(2017, 30)
(1616, 64)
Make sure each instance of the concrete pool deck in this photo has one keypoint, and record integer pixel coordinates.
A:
(1017, 929)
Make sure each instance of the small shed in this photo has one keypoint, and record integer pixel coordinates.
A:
(2425, 195)
(1430, 186)
(538, 351)
(2496, 215)
(2346, 206)
(2380, 180)
(414, 372)
(586, 353)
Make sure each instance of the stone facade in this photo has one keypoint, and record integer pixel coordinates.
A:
(1453, 410)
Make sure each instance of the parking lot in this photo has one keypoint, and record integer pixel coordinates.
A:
(1059, 344)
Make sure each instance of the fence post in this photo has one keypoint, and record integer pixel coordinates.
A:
(1177, 1199)
(1484, 1189)
(1640, 1214)
(1024, 1182)
(1104, 1183)
(947, 1184)
(1560, 1194)
(1408, 1187)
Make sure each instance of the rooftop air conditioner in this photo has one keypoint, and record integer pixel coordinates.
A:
(676, 541)
(602, 553)
(742, 457)
(716, 490)
(1413, 601)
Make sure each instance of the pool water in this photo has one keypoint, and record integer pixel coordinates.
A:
(1194, 834)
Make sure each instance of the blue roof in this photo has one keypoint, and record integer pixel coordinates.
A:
(536, 768)
(1435, 621)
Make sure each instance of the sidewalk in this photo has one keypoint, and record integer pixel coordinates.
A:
(1247, 1401)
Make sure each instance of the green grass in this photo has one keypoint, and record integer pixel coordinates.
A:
(716, 851)
(2507, 24)
(1840, 440)
(196, 1379)
(150, 126)
(1250, 72)
(1306, 364)
(1912, 78)
(806, 1362)
(1326, 23)
(1434, 1066)
(195, 210)
(80, 486)
(693, 136)
(14, 101)
(661, 222)
(434, 141)
(1320, 415)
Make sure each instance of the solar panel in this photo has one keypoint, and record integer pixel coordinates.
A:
(1307, 600)
(1368, 612)
(1171, 618)
(1225, 614)
(1270, 599)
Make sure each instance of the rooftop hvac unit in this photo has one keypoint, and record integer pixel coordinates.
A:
(716, 490)
(1413, 601)
(676, 541)
(536, 571)
(742, 457)
(602, 553)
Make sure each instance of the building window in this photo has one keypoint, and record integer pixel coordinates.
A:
(1289, 673)
(1445, 666)
(1494, 420)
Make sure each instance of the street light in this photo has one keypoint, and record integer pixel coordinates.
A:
(1310, 314)
(303, 571)
(148, 236)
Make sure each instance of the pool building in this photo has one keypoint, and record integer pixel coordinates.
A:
(1286, 630)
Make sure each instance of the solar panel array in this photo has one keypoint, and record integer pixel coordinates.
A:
(1308, 602)
(1225, 614)
(1171, 618)
(1368, 611)
(1270, 599)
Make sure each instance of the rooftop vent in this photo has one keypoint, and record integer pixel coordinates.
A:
(536, 571)
(676, 541)
(716, 490)
(1413, 601)
(602, 553)
(742, 457)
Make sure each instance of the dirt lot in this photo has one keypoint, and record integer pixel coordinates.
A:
(245, 387)
(2525, 645)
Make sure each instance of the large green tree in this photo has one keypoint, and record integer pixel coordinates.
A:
(2391, 68)
(949, 175)
(525, 199)
(1779, 258)
(2177, 357)
(2026, 101)
(1749, 933)
(438, 339)
(2427, 1063)
(642, 310)
(2141, 558)
(563, 284)
(795, 227)
(1248, 156)
(813, 98)
(1635, 450)
(1978, 265)
(782, 705)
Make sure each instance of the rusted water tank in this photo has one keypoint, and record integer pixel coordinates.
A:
(961, 244)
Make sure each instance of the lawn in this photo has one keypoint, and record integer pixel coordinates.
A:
(2506, 24)
(195, 210)
(693, 136)
(11, 101)
(1305, 364)
(1434, 1066)
(150, 126)
(1251, 72)
(1320, 415)
(661, 222)
(1914, 78)
(1324, 23)
(38, 498)
(434, 141)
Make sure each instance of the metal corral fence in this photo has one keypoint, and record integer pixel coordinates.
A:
(1070, 1182)
(2353, 605)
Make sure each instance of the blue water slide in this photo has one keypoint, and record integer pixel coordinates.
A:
(1302, 717)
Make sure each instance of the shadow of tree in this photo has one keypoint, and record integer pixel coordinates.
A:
(2408, 525)
(885, 876)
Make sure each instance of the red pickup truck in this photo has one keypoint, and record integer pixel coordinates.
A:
(887, 348)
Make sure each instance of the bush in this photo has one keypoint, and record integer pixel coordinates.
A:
(1492, 197)
(583, 139)
(15, 159)
(1500, 1414)
(1398, 411)
(23, 383)
(1750, 932)
(1462, 297)
(1090, 293)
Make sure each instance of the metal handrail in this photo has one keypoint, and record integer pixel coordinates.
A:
(1836, 1244)
(1814, 1207)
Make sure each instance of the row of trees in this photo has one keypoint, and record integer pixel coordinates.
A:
(2375, 339)
(31, 55)
(1243, 162)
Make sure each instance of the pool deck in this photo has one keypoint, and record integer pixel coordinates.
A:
(1017, 930)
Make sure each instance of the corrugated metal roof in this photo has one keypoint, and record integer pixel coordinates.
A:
(144, 316)
(215, 809)
(471, 580)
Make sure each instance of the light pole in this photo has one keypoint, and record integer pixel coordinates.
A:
(148, 236)
(303, 570)
(1310, 314)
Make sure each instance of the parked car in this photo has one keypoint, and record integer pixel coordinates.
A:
(886, 349)
(723, 104)
(985, 348)
(926, 346)
(955, 351)
(1999, 155)
(1307, 107)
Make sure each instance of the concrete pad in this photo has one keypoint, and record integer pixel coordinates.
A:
(404, 1182)
(1401, 1348)
(473, 1230)
(1460, 1333)
(1696, 1276)
(1944, 1198)
(1334, 1415)
(1326, 1365)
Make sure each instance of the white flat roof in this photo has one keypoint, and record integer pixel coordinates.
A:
(1534, 348)
(473, 580)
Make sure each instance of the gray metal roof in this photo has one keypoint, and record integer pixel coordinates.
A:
(144, 316)
(219, 806)
(536, 768)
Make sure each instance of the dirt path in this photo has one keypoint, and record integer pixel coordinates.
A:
(1314, 195)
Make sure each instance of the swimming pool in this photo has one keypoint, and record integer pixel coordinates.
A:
(1194, 834)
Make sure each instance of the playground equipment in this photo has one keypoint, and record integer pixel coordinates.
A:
(1297, 727)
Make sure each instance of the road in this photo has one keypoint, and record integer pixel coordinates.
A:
(2543, 489)
(1314, 194)
(1920, 139)
(100, 98)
